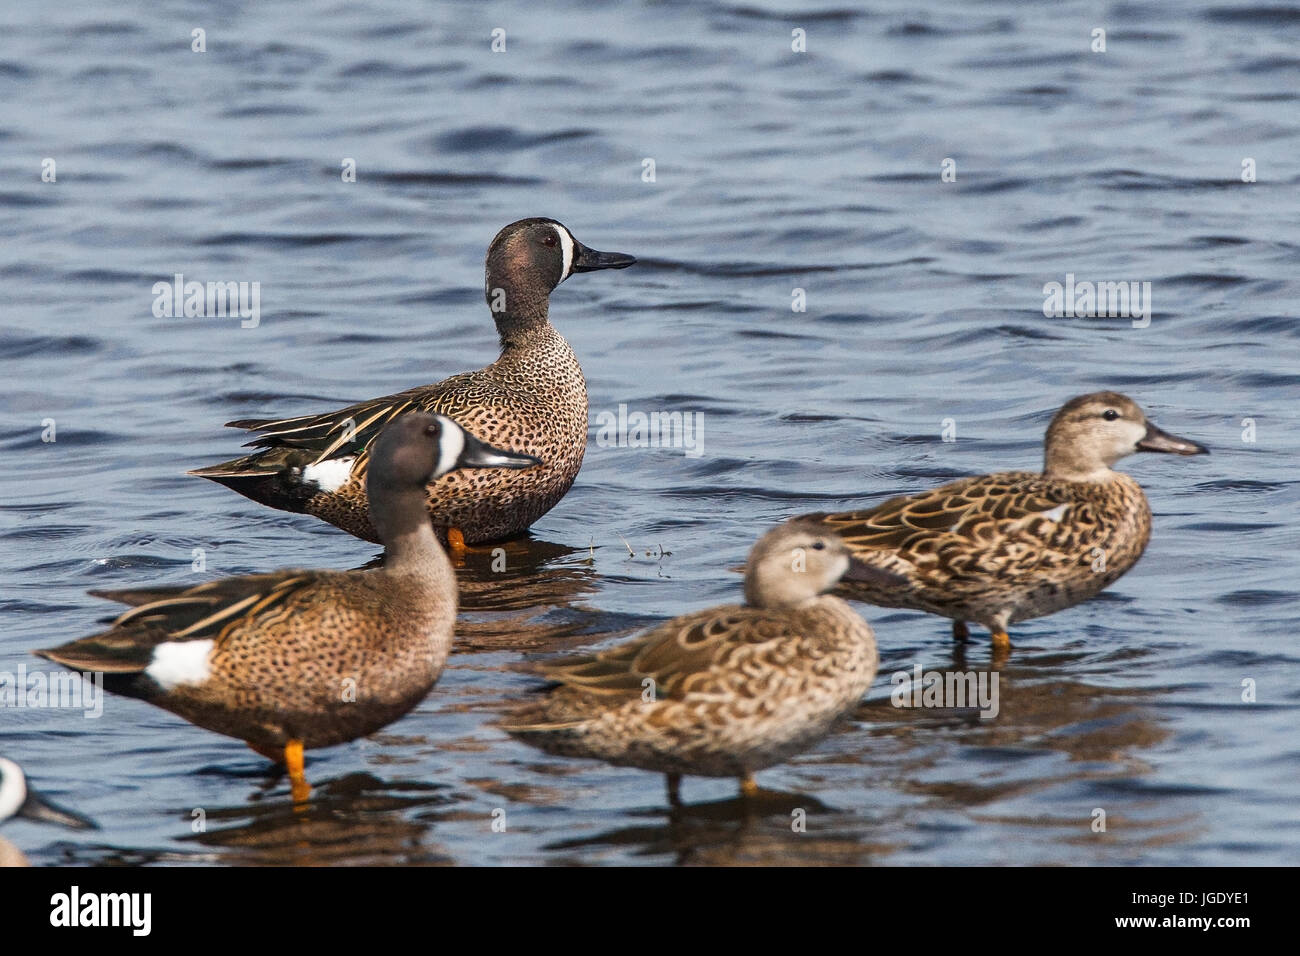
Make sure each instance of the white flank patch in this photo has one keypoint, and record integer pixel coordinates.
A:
(180, 662)
(13, 788)
(329, 475)
(1056, 514)
(451, 442)
(566, 243)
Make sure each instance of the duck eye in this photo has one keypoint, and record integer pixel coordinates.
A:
(1110, 414)
(549, 240)
(431, 429)
(819, 546)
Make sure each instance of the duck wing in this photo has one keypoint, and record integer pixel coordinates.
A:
(174, 615)
(976, 510)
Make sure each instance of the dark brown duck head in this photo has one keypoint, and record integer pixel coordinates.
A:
(799, 560)
(1092, 432)
(412, 451)
(527, 260)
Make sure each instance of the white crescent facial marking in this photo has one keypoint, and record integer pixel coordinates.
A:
(566, 243)
(13, 788)
(180, 662)
(451, 442)
(329, 475)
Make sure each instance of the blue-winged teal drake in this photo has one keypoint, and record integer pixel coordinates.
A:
(531, 400)
(300, 659)
(1001, 548)
(18, 799)
(723, 692)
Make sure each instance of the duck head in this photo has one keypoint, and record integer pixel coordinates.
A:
(17, 799)
(799, 560)
(527, 260)
(1092, 432)
(414, 450)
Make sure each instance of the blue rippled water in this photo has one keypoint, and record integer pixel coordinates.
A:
(774, 171)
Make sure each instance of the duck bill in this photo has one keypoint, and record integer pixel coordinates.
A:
(1157, 440)
(36, 807)
(863, 573)
(589, 260)
(479, 454)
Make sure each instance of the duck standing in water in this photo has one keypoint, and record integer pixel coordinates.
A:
(727, 691)
(293, 660)
(532, 400)
(1002, 548)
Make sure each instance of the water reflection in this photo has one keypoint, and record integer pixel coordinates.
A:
(521, 594)
(765, 831)
(1054, 731)
(356, 819)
